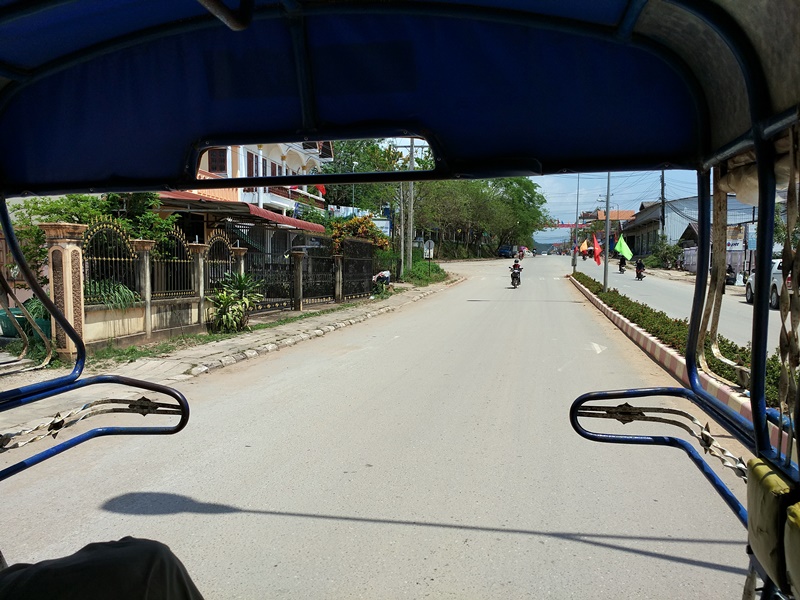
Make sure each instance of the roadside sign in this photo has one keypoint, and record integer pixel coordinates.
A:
(427, 249)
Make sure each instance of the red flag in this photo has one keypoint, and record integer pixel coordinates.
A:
(596, 250)
(293, 187)
(321, 188)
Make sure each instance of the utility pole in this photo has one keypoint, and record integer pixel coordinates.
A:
(410, 212)
(402, 234)
(608, 232)
(575, 245)
(663, 204)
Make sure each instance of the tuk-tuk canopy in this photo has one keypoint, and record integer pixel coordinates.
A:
(127, 94)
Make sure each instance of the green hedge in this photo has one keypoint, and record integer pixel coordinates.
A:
(675, 332)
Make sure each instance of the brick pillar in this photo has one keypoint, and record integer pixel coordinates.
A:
(338, 278)
(65, 254)
(199, 271)
(143, 249)
(238, 254)
(297, 262)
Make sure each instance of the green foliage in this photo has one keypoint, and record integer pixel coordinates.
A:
(233, 302)
(387, 260)
(72, 208)
(508, 211)
(134, 213)
(316, 216)
(664, 255)
(371, 156)
(419, 276)
(652, 262)
(675, 333)
(36, 308)
(112, 294)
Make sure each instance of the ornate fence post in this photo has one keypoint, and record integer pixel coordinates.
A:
(338, 294)
(65, 254)
(143, 248)
(198, 254)
(297, 262)
(238, 254)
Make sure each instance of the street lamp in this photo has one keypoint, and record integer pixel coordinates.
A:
(353, 201)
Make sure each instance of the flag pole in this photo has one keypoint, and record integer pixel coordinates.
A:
(608, 232)
(575, 245)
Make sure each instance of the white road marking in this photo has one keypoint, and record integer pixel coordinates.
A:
(598, 348)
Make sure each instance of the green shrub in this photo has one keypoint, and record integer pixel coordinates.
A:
(652, 262)
(675, 333)
(110, 293)
(36, 308)
(424, 272)
(233, 302)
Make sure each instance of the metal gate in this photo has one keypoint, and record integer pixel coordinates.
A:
(319, 283)
(110, 265)
(218, 261)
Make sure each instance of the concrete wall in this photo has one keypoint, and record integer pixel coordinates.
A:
(127, 326)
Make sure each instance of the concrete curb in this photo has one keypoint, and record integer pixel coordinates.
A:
(674, 363)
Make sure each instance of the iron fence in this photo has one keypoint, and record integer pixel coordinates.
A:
(357, 268)
(274, 273)
(110, 265)
(171, 267)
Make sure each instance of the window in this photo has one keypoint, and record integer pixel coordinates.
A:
(218, 160)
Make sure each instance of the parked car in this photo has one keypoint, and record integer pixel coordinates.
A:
(775, 284)
(506, 251)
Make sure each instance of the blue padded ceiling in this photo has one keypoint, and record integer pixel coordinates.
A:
(122, 94)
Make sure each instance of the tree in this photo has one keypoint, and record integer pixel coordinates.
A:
(72, 208)
(519, 210)
(509, 210)
(135, 213)
(362, 156)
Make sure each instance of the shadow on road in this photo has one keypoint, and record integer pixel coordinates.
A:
(155, 503)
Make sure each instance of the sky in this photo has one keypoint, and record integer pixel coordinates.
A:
(628, 191)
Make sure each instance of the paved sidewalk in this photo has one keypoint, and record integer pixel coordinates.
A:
(187, 363)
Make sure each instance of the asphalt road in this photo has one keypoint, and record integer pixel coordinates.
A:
(675, 298)
(422, 454)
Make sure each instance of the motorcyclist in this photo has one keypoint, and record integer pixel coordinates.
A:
(640, 269)
(622, 263)
(516, 269)
(730, 276)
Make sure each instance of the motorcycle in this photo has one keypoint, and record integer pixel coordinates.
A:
(516, 280)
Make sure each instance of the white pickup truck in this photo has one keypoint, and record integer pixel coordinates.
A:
(775, 284)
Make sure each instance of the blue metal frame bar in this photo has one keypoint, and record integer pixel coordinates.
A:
(30, 278)
(720, 487)
(183, 405)
(760, 110)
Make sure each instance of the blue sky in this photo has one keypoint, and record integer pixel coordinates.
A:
(628, 191)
